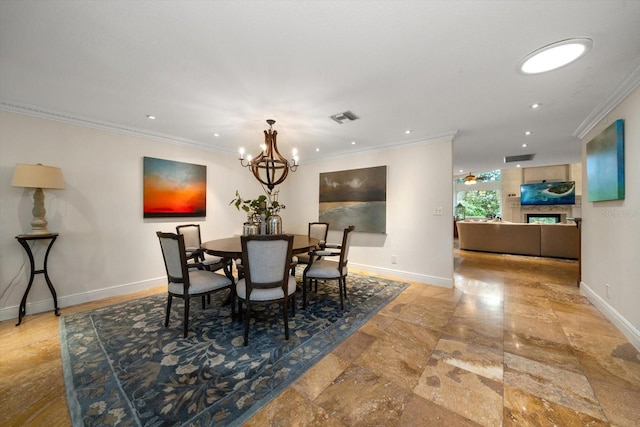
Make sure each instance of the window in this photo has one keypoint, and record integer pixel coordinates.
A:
(483, 199)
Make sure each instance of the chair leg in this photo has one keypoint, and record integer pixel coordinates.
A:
(304, 291)
(186, 316)
(166, 319)
(247, 315)
(293, 305)
(285, 312)
(341, 295)
(233, 302)
(204, 301)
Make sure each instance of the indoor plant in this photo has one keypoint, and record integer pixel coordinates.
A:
(266, 205)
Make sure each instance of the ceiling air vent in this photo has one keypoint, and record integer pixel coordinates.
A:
(520, 158)
(347, 115)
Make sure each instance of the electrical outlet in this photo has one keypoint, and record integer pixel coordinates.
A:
(394, 259)
(607, 285)
(437, 211)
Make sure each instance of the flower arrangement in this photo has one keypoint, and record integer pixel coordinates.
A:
(266, 205)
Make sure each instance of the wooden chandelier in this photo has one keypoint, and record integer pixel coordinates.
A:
(270, 167)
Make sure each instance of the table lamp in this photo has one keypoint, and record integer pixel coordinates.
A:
(38, 177)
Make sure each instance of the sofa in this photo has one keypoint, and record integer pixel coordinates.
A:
(546, 240)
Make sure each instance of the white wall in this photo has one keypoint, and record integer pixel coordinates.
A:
(611, 231)
(419, 180)
(106, 248)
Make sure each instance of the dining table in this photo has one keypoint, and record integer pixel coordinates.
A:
(231, 247)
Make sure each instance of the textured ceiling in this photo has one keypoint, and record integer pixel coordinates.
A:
(436, 67)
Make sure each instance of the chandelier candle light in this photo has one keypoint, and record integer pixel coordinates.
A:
(270, 167)
(38, 177)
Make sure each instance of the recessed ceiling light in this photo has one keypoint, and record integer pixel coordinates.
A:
(353, 143)
(527, 132)
(216, 134)
(524, 145)
(554, 56)
(317, 149)
(150, 117)
(535, 106)
(408, 131)
(461, 170)
(517, 166)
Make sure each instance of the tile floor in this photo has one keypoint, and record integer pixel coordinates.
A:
(514, 343)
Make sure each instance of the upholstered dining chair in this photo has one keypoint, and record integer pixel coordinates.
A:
(320, 268)
(186, 283)
(266, 260)
(317, 230)
(196, 257)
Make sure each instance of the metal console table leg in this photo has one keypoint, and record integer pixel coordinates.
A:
(24, 239)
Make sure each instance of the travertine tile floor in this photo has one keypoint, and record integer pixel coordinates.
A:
(514, 343)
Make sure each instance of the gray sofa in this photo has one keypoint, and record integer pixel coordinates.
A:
(547, 240)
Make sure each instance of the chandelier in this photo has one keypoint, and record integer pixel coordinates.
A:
(270, 167)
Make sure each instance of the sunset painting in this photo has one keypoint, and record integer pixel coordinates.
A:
(174, 189)
(354, 197)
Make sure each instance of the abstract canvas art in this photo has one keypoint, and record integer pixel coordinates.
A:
(355, 197)
(174, 189)
(605, 164)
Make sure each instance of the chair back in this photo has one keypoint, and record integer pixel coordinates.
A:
(266, 260)
(175, 259)
(191, 233)
(346, 244)
(319, 230)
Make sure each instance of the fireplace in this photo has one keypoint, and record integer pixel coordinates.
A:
(546, 218)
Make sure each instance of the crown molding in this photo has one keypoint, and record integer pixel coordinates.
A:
(443, 137)
(630, 82)
(43, 113)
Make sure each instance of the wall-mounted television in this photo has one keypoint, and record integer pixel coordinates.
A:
(548, 193)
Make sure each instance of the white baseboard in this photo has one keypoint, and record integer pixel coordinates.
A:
(45, 305)
(627, 329)
(93, 295)
(446, 282)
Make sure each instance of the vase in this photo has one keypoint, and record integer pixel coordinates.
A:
(262, 225)
(274, 224)
(249, 228)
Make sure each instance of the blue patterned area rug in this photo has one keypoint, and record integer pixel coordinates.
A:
(123, 367)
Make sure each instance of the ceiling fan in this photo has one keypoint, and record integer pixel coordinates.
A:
(472, 179)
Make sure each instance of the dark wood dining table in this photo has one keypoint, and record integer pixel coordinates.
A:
(230, 247)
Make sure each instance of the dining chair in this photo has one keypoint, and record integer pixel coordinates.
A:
(186, 283)
(266, 260)
(317, 230)
(196, 257)
(320, 268)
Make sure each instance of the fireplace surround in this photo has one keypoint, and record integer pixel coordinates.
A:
(547, 218)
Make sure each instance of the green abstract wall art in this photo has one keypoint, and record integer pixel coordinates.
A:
(605, 164)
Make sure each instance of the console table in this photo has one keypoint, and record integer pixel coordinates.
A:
(24, 241)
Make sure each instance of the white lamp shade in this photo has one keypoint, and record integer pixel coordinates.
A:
(37, 176)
